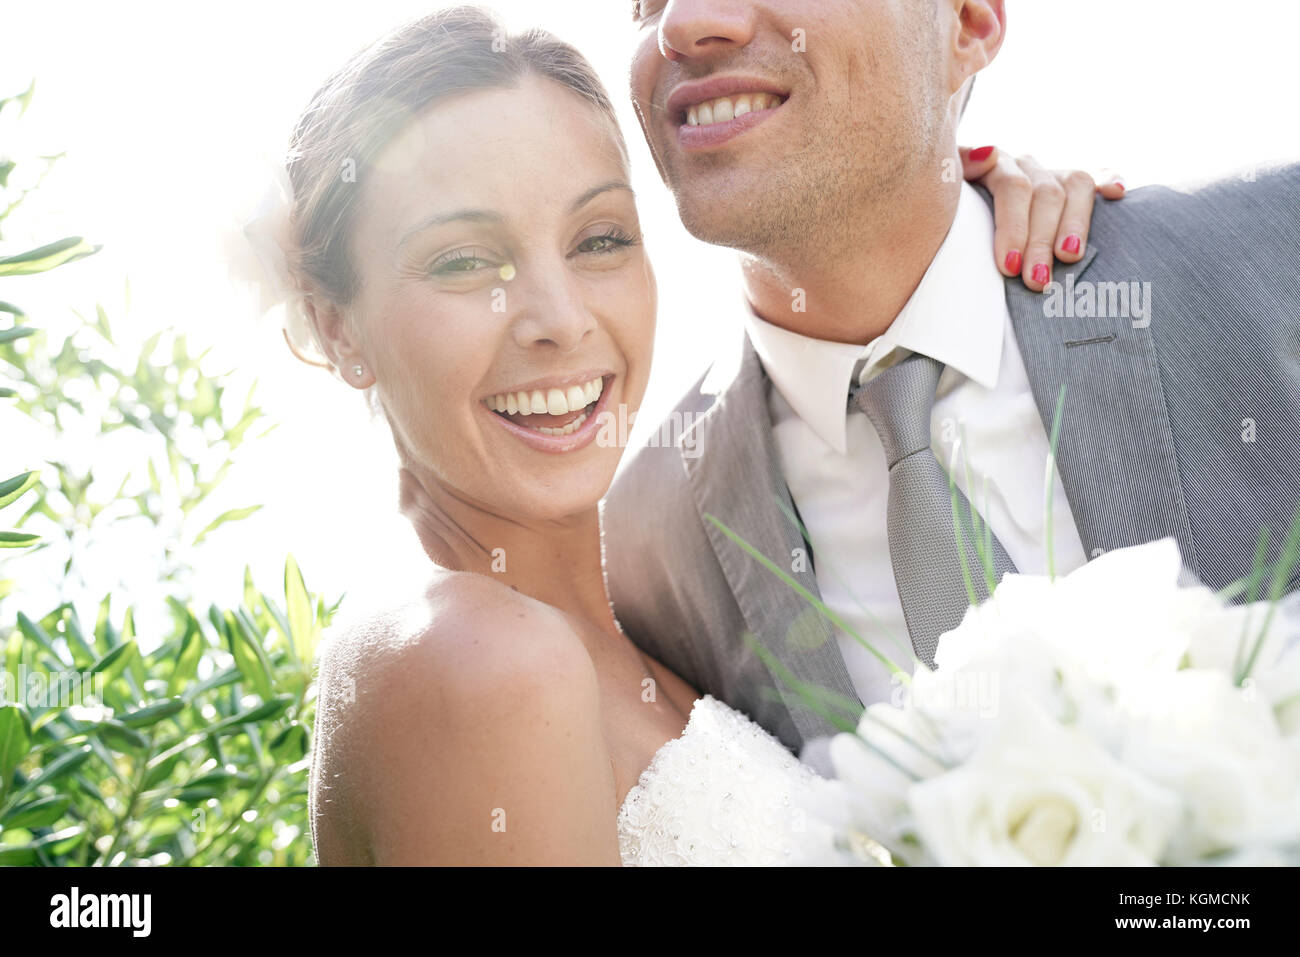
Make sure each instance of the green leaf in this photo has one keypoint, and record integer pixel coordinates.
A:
(65, 763)
(47, 257)
(290, 745)
(111, 664)
(187, 659)
(16, 311)
(119, 737)
(16, 333)
(15, 741)
(17, 855)
(34, 632)
(11, 489)
(43, 812)
(17, 539)
(265, 711)
(152, 714)
(233, 515)
(250, 659)
(298, 605)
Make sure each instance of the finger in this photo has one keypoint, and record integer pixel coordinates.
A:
(1112, 187)
(1044, 217)
(1012, 195)
(1072, 231)
(976, 163)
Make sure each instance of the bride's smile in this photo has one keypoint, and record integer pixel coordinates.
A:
(554, 415)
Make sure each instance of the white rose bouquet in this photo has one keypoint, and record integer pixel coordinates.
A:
(1110, 717)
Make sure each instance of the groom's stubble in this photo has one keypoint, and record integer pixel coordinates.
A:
(866, 127)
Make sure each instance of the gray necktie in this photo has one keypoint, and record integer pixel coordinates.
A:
(922, 543)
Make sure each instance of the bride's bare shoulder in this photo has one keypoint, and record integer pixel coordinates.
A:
(463, 680)
(462, 627)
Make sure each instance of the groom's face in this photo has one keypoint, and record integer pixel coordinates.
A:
(777, 119)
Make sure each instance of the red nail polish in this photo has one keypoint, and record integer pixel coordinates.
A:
(1071, 244)
(981, 154)
(1014, 262)
(1042, 274)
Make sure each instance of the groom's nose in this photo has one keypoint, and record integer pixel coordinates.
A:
(691, 29)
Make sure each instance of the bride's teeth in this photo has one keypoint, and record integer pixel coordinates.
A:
(553, 402)
(568, 429)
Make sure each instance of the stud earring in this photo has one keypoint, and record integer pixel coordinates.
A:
(358, 371)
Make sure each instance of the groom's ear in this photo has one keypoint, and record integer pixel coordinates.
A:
(977, 30)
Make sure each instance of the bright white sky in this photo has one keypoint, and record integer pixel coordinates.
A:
(168, 111)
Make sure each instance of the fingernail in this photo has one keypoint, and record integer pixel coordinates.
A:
(1014, 262)
(1071, 244)
(981, 154)
(1041, 274)
(1120, 184)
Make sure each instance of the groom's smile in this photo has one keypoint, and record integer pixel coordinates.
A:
(714, 111)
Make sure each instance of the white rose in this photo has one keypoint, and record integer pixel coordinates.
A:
(1220, 747)
(1038, 793)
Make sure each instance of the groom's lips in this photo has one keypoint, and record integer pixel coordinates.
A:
(691, 94)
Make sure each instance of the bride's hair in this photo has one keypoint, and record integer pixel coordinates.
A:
(367, 102)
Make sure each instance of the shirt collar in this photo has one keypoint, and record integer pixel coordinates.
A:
(956, 315)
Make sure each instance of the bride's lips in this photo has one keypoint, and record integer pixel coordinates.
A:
(743, 102)
(580, 437)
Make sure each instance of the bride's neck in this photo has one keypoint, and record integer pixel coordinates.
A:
(556, 562)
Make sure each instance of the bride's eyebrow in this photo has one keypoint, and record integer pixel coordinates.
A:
(456, 216)
(595, 191)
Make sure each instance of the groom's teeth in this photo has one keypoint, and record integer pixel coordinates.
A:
(726, 108)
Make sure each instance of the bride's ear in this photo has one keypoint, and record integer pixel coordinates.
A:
(336, 338)
(978, 28)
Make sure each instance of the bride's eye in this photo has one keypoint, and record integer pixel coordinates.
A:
(611, 240)
(461, 262)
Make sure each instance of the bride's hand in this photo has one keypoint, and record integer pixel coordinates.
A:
(1040, 214)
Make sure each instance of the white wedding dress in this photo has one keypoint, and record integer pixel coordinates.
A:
(725, 792)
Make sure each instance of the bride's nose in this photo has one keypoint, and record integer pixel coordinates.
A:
(550, 311)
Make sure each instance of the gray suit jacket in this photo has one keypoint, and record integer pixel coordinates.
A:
(1180, 421)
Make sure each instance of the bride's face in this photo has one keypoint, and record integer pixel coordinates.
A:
(501, 269)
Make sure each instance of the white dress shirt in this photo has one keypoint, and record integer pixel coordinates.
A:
(835, 466)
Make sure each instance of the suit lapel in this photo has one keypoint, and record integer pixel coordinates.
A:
(736, 477)
(1116, 456)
